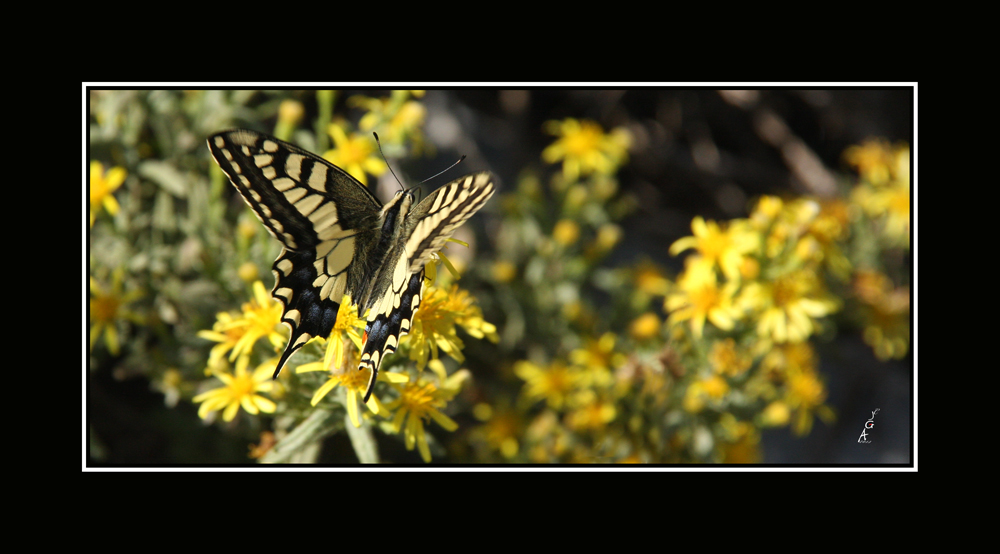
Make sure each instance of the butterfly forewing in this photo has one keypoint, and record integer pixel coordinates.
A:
(316, 210)
(432, 222)
(338, 239)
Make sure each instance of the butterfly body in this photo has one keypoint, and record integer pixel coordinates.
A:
(339, 239)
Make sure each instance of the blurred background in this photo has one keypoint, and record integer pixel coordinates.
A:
(665, 276)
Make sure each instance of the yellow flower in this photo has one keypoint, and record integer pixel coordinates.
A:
(888, 328)
(776, 414)
(591, 412)
(290, 112)
(469, 316)
(645, 327)
(743, 444)
(784, 239)
(433, 328)
(783, 359)
(101, 186)
(354, 381)
(727, 359)
(261, 317)
(435, 321)
(608, 236)
(766, 211)
(824, 235)
(248, 272)
(711, 389)
(553, 383)
(873, 159)
(227, 331)
(355, 154)
(795, 365)
(419, 402)
(504, 271)
(887, 314)
(342, 362)
(598, 359)
(891, 202)
(649, 279)
(789, 305)
(397, 119)
(725, 247)
(806, 395)
(240, 390)
(347, 326)
(885, 190)
(171, 384)
(501, 429)
(584, 148)
(699, 297)
(108, 308)
(566, 232)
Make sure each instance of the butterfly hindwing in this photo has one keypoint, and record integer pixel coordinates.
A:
(386, 325)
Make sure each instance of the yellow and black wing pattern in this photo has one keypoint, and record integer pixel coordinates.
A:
(339, 239)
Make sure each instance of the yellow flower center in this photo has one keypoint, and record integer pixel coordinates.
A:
(584, 141)
(705, 298)
(808, 390)
(713, 244)
(785, 292)
(242, 385)
(354, 379)
(420, 399)
(104, 308)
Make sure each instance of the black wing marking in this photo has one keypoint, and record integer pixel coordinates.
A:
(386, 327)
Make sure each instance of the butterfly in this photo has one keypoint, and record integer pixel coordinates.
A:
(339, 239)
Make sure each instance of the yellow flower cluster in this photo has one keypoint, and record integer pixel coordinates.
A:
(741, 316)
(416, 401)
(884, 196)
(764, 270)
(237, 334)
(577, 392)
(435, 325)
(884, 192)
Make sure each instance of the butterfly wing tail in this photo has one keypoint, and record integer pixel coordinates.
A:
(306, 313)
(387, 322)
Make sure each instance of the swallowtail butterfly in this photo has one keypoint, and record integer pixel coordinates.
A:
(339, 239)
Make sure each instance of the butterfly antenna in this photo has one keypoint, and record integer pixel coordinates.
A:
(445, 169)
(387, 164)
